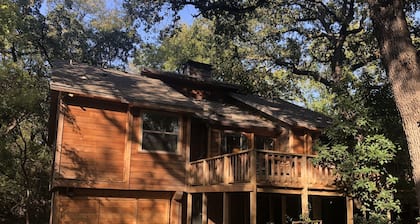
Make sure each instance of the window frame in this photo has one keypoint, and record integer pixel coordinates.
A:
(178, 133)
(242, 146)
(264, 137)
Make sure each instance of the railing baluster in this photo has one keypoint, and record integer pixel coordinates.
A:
(266, 165)
(242, 168)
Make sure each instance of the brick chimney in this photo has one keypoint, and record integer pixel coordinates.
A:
(197, 70)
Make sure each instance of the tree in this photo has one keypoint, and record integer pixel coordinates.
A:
(330, 42)
(199, 42)
(186, 43)
(24, 155)
(402, 64)
(363, 176)
(29, 43)
(89, 33)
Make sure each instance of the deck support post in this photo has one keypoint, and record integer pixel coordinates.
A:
(349, 208)
(204, 209)
(305, 203)
(189, 208)
(226, 205)
(283, 209)
(253, 207)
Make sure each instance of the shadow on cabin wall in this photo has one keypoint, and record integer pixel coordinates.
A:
(94, 138)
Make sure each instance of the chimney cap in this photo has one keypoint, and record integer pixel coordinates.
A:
(197, 69)
(198, 65)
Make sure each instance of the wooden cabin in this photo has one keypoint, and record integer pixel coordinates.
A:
(161, 147)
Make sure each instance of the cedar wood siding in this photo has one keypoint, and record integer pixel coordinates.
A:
(156, 170)
(98, 151)
(93, 141)
(90, 207)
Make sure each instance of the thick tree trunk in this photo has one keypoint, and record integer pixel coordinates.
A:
(402, 65)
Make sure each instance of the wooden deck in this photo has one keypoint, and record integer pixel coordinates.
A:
(272, 168)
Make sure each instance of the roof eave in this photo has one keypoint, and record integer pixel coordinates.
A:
(132, 102)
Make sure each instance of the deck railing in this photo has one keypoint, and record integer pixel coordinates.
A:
(319, 176)
(271, 168)
(228, 169)
(275, 168)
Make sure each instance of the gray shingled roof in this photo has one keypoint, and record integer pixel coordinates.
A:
(231, 116)
(115, 85)
(152, 92)
(286, 112)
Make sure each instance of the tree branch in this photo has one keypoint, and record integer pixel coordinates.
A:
(315, 75)
(227, 6)
(364, 62)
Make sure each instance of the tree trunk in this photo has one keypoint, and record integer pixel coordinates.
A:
(402, 64)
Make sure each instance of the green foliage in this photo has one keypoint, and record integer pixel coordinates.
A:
(24, 155)
(319, 53)
(327, 52)
(29, 42)
(187, 43)
(25, 159)
(363, 175)
(84, 31)
(200, 43)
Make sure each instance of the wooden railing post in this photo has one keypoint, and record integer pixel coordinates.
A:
(226, 170)
(188, 151)
(205, 173)
(253, 167)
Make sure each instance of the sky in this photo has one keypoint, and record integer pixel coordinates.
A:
(186, 17)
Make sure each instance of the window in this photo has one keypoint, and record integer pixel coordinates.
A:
(160, 132)
(264, 142)
(233, 142)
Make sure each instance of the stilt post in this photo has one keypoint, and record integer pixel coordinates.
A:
(349, 207)
(204, 209)
(189, 208)
(226, 205)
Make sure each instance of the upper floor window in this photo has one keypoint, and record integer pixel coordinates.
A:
(264, 142)
(160, 132)
(234, 141)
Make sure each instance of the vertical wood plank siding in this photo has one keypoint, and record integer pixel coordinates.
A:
(94, 151)
(155, 170)
(93, 141)
(91, 210)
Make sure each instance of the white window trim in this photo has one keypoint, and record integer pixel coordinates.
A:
(179, 134)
